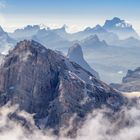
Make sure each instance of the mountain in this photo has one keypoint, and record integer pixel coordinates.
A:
(93, 42)
(108, 58)
(44, 35)
(131, 82)
(26, 33)
(6, 42)
(51, 88)
(51, 39)
(75, 54)
(128, 42)
(97, 30)
(32, 30)
(120, 27)
(62, 32)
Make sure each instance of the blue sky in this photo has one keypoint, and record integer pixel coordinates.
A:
(75, 13)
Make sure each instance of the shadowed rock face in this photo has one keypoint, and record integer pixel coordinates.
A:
(131, 82)
(75, 54)
(48, 85)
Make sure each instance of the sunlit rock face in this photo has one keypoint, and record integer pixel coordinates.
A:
(49, 86)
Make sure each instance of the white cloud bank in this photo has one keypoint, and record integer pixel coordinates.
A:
(96, 127)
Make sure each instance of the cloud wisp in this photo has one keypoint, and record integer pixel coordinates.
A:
(98, 126)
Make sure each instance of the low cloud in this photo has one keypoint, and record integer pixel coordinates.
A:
(99, 125)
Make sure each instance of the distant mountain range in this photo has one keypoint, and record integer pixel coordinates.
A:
(26, 33)
(93, 42)
(109, 48)
(111, 32)
(51, 39)
(121, 28)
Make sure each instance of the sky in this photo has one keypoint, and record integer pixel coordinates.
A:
(77, 14)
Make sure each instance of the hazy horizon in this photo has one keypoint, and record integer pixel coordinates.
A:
(77, 15)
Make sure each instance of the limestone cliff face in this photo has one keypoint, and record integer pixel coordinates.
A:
(48, 85)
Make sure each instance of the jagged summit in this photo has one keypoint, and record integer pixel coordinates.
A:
(98, 28)
(94, 38)
(75, 50)
(32, 50)
(116, 23)
(116, 19)
(28, 45)
(27, 28)
(75, 54)
(120, 27)
(25, 33)
(93, 41)
(60, 30)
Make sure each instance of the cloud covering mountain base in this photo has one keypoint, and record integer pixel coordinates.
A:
(99, 125)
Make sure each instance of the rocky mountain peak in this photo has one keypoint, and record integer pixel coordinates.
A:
(99, 28)
(75, 54)
(132, 75)
(61, 29)
(116, 23)
(120, 27)
(75, 50)
(131, 82)
(27, 45)
(29, 27)
(94, 38)
(93, 41)
(52, 88)
(30, 51)
(27, 48)
(115, 20)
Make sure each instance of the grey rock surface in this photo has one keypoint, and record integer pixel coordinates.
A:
(75, 54)
(131, 82)
(49, 86)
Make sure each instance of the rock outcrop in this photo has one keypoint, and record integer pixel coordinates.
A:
(75, 54)
(130, 83)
